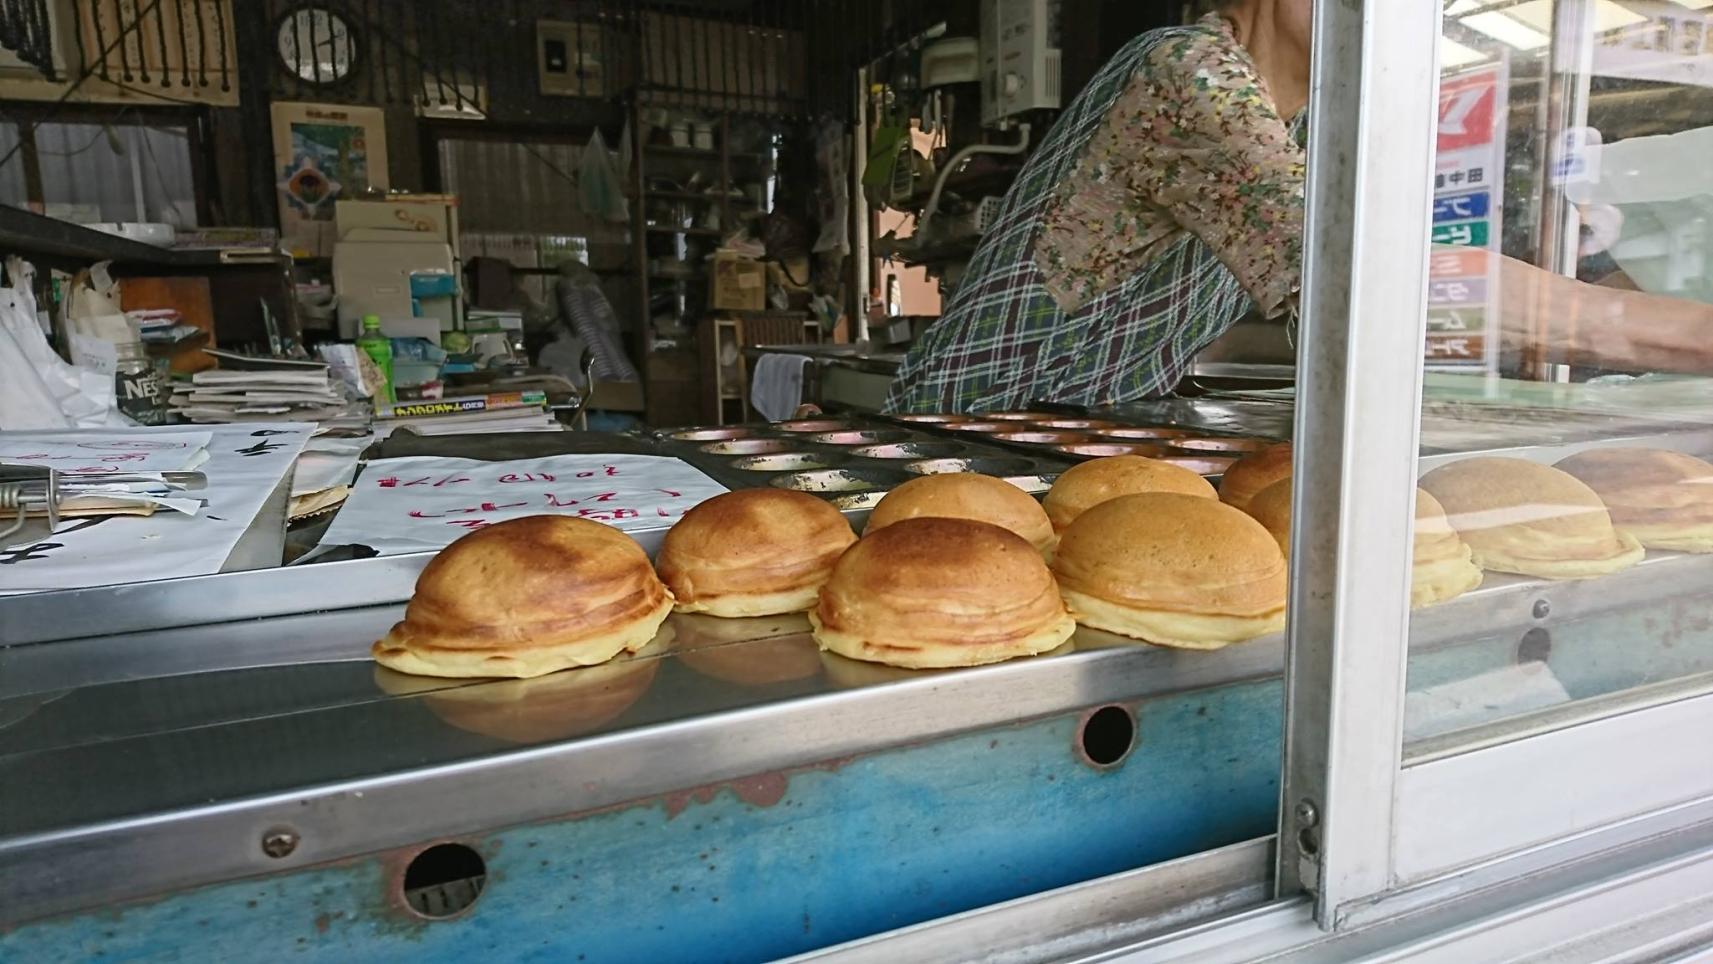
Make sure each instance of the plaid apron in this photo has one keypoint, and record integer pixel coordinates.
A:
(1003, 340)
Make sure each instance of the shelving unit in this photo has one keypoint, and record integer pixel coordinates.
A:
(676, 369)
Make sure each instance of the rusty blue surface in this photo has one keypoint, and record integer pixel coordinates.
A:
(822, 856)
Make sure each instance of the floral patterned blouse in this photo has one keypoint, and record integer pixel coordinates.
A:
(1163, 204)
(1193, 144)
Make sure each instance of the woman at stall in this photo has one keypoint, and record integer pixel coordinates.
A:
(1164, 205)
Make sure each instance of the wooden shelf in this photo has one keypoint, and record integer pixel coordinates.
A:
(39, 238)
(692, 232)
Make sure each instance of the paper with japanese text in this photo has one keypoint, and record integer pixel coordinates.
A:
(245, 463)
(106, 452)
(417, 504)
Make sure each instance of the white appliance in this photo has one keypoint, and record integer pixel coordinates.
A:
(1019, 58)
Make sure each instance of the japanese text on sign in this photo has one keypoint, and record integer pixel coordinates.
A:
(417, 504)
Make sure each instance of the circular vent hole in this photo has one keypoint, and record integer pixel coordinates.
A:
(1108, 735)
(444, 880)
(1535, 646)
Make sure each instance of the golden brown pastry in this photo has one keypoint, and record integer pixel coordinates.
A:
(1531, 519)
(1173, 569)
(759, 651)
(1663, 498)
(1272, 508)
(752, 552)
(1439, 566)
(966, 495)
(1255, 472)
(526, 598)
(935, 592)
(1088, 484)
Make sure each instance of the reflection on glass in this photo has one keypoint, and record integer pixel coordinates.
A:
(1567, 409)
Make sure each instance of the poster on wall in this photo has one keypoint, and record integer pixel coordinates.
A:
(1468, 198)
(323, 152)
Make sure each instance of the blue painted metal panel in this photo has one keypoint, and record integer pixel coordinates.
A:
(768, 867)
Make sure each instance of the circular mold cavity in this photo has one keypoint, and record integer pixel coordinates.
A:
(806, 425)
(933, 419)
(712, 433)
(750, 446)
(1071, 424)
(1204, 465)
(1015, 416)
(1240, 445)
(840, 480)
(1139, 432)
(980, 465)
(1041, 438)
(909, 450)
(1100, 450)
(984, 428)
(786, 462)
(865, 436)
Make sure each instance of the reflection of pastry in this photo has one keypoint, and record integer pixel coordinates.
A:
(552, 707)
(1088, 484)
(935, 592)
(759, 651)
(1255, 472)
(1173, 569)
(965, 495)
(1440, 567)
(1531, 519)
(1272, 508)
(752, 552)
(847, 674)
(526, 598)
(1663, 498)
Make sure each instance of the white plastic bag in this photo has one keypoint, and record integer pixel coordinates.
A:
(80, 397)
(600, 191)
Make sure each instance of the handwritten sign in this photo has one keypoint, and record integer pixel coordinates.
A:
(107, 453)
(245, 464)
(421, 504)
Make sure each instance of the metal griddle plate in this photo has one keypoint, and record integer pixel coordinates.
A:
(217, 731)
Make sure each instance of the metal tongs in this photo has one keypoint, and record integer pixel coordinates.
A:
(25, 489)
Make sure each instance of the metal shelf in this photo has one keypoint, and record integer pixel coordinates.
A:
(62, 242)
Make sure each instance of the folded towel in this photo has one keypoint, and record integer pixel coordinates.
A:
(777, 387)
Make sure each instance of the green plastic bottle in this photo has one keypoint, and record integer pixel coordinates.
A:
(379, 348)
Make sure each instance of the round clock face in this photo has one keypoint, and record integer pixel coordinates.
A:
(317, 45)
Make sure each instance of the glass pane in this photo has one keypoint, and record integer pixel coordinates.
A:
(116, 172)
(1565, 513)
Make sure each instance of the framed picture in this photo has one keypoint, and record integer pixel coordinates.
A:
(322, 153)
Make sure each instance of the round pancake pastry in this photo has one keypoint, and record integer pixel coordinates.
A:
(1172, 569)
(752, 552)
(1088, 484)
(758, 651)
(1255, 472)
(1530, 519)
(1663, 498)
(966, 495)
(934, 592)
(526, 598)
(557, 706)
(1272, 508)
(1440, 568)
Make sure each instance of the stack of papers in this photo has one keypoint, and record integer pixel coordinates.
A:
(322, 477)
(303, 394)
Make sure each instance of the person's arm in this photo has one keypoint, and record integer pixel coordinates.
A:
(1601, 327)
(1213, 151)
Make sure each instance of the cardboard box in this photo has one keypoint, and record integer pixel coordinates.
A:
(737, 284)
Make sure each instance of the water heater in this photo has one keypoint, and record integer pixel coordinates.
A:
(1019, 57)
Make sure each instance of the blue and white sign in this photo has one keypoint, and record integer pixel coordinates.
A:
(1461, 207)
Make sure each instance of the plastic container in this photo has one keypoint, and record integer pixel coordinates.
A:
(379, 348)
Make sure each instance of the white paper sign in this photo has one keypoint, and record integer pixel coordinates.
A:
(246, 463)
(421, 504)
(106, 453)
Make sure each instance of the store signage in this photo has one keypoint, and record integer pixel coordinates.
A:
(1469, 172)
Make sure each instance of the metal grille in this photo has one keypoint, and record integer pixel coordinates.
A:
(27, 31)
